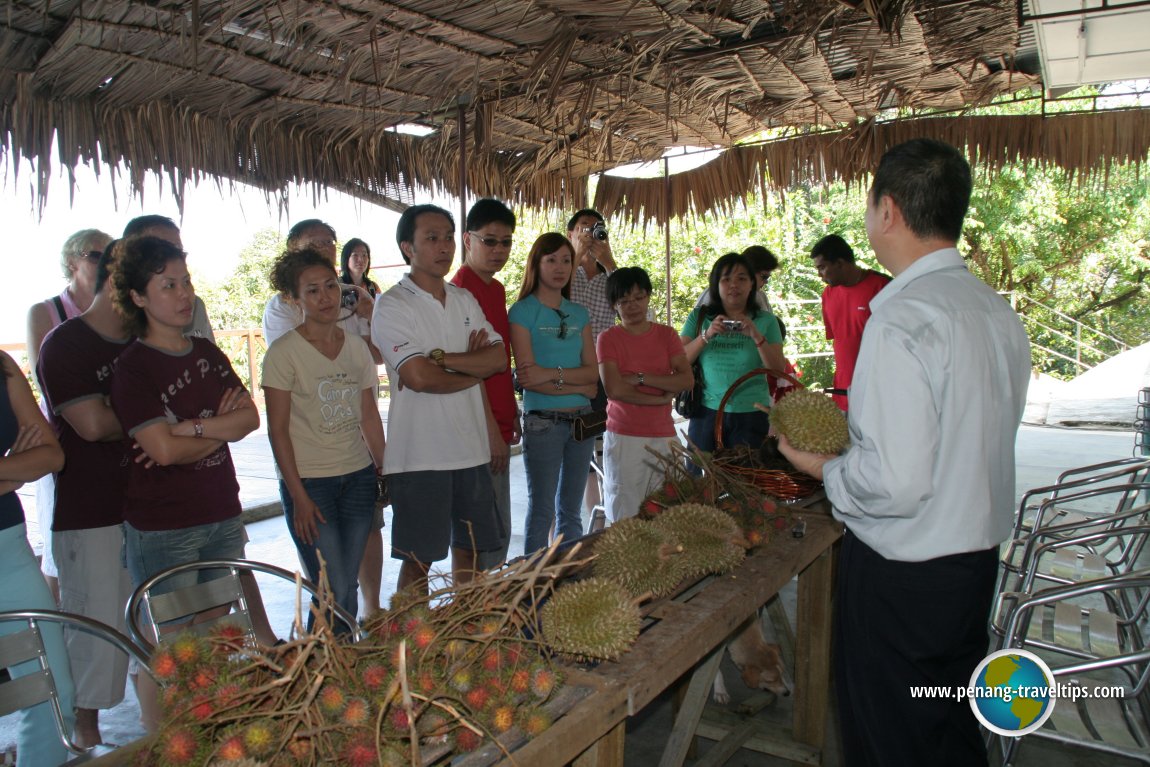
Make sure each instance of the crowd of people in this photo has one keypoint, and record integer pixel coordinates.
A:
(141, 404)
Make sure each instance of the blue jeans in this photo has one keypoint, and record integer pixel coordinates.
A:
(347, 503)
(149, 552)
(37, 741)
(738, 429)
(557, 469)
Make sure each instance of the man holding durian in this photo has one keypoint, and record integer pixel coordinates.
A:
(926, 488)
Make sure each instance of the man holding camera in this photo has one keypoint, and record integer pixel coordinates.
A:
(593, 263)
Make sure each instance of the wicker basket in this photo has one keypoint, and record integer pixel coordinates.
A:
(787, 485)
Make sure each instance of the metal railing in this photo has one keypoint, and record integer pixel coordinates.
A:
(1060, 344)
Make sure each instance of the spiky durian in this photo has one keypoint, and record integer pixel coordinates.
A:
(811, 422)
(642, 557)
(590, 619)
(711, 539)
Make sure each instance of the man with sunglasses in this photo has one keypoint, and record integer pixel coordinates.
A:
(486, 245)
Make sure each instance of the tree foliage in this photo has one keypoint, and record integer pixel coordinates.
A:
(239, 301)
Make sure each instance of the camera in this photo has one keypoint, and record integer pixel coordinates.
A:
(348, 298)
(732, 325)
(599, 231)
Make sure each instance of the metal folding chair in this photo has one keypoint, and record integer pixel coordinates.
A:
(1117, 726)
(39, 687)
(146, 610)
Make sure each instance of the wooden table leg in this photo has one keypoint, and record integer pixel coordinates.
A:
(607, 751)
(812, 650)
(687, 720)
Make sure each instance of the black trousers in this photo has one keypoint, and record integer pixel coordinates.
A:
(899, 624)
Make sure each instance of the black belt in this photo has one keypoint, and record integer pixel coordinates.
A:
(554, 415)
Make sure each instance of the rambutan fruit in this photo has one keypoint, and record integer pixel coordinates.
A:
(514, 652)
(300, 748)
(520, 681)
(534, 721)
(423, 636)
(467, 740)
(202, 709)
(492, 660)
(203, 678)
(477, 698)
(232, 749)
(755, 537)
(260, 738)
(356, 713)
(228, 637)
(461, 679)
(178, 747)
(502, 718)
(399, 720)
(780, 523)
(332, 699)
(375, 676)
(187, 649)
(164, 665)
(425, 681)
(360, 752)
(543, 682)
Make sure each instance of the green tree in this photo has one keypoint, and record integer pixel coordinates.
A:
(238, 302)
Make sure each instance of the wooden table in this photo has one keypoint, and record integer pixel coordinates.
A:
(687, 633)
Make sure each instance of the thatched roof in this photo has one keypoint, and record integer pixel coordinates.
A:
(1085, 143)
(544, 91)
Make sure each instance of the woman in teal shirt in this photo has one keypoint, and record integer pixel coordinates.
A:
(733, 336)
(556, 367)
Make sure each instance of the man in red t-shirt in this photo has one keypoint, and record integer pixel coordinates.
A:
(846, 304)
(486, 245)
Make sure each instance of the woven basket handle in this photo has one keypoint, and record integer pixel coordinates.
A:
(739, 382)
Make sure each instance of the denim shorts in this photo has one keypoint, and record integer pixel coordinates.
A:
(149, 552)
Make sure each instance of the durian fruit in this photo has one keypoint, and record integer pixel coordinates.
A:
(640, 556)
(811, 422)
(590, 619)
(712, 541)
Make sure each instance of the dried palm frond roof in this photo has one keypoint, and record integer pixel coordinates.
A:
(544, 92)
(1087, 144)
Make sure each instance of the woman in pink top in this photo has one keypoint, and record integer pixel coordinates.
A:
(643, 365)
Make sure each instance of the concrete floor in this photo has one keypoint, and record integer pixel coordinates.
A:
(1042, 452)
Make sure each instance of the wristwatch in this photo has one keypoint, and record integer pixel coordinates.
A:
(641, 379)
(198, 427)
(436, 356)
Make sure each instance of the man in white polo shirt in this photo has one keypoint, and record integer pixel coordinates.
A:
(438, 347)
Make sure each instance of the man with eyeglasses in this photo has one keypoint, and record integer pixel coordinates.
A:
(486, 245)
(282, 315)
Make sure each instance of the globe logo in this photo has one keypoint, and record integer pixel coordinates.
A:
(1012, 692)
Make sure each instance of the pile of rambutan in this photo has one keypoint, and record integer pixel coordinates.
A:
(447, 672)
(757, 514)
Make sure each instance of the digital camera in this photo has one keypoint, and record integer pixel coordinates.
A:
(599, 231)
(348, 297)
(733, 325)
